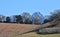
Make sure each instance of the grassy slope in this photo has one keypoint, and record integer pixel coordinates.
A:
(7, 29)
(37, 35)
(14, 28)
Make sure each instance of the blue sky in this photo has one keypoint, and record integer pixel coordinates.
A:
(12, 7)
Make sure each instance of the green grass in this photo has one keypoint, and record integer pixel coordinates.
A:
(37, 35)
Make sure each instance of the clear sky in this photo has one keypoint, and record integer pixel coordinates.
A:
(12, 7)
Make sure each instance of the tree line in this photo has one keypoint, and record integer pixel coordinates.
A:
(26, 18)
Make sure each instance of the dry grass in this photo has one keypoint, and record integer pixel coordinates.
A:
(7, 29)
(37, 35)
(12, 30)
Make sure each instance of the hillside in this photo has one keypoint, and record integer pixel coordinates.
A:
(10, 29)
(15, 29)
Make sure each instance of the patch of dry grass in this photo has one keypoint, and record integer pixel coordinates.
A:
(37, 35)
(7, 29)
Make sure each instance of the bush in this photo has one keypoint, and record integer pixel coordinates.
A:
(49, 30)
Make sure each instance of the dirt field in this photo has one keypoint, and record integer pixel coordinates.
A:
(8, 29)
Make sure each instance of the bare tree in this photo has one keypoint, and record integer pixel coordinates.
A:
(55, 15)
(37, 18)
(18, 18)
(47, 19)
(26, 18)
(8, 20)
(2, 18)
